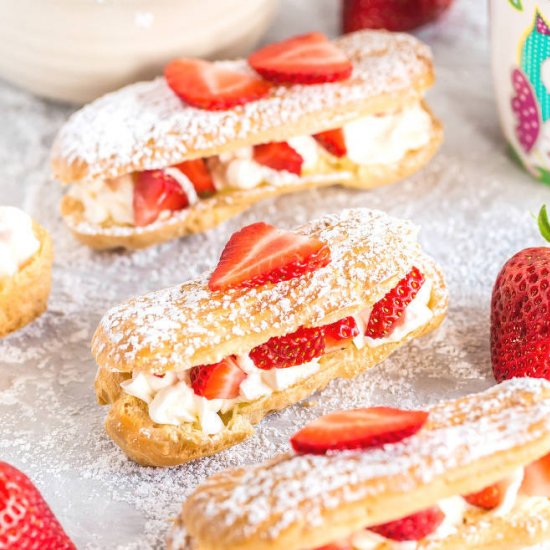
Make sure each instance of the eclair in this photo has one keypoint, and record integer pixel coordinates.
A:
(470, 473)
(25, 269)
(187, 371)
(180, 154)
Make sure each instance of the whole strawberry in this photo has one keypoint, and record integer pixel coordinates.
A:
(392, 15)
(520, 313)
(26, 521)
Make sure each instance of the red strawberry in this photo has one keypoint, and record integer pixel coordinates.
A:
(155, 191)
(307, 59)
(344, 329)
(357, 429)
(489, 497)
(279, 156)
(333, 141)
(260, 254)
(212, 86)
(26, 521)
(281, 352)
(520, 313)
(198, 174)
(387, 312)
(218, 381)
(392, 15)
(414, 527)
(536, 478)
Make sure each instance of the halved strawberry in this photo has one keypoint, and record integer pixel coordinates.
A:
(489, 497)
(198, 174)
(414, 527)
(260, 254)
(218, 381)
(387, 312)
(536, 478)
(357, 429)
(212, 86)
(279, 156)
(290, 350)
(155, 191)
(339, 331)
(306, 59)
(333, 141)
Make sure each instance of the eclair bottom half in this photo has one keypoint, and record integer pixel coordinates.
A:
(152, 444)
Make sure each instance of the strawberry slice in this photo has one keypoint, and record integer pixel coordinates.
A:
(387, 312)
(414, 527)
(536, 478)
(279, 156)
(344, 329)
(155, 191)
(260, 254)
(290, 350)
(489, 497)
(198, 174)
(357, 429)
(306, 59)
(212, 86)
(218, 381)
(333, 141)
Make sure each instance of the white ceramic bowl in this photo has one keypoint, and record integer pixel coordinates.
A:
(76, 50)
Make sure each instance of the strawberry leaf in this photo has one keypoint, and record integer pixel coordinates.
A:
(544, 223)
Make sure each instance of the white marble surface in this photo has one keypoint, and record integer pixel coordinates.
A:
(472, 202)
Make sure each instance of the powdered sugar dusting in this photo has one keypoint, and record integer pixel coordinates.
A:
(165, 330)
(146, 125)
(299, 489)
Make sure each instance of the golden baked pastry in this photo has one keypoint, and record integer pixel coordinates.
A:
(147, 349)
(26, 258)
(107, 147)
(301, 501)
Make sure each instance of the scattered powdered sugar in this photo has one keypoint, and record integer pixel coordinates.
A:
(146, 125)
(473, 207)
(264, 501)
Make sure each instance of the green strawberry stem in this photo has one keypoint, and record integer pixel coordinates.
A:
(544, 223)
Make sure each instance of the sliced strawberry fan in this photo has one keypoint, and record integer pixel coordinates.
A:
(212, 86)
(307, 59)
(357, 429)
(260, 253)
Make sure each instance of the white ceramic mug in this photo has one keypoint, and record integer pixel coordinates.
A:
(76, 50)
(520, 41)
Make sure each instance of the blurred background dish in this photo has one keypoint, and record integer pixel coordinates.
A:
(77, 50)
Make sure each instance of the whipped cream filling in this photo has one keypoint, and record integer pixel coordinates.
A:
(171, 398)
(374, 139)
(238, 169)
(387, 138)
(110, 200)
(18, 242)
